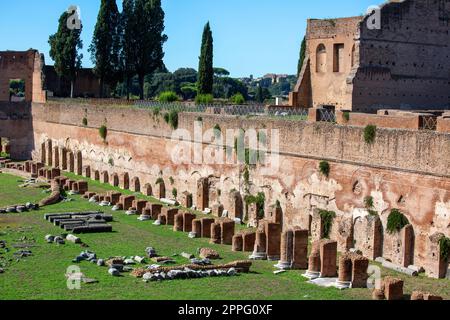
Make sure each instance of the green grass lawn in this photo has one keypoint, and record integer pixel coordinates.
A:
(42, 276)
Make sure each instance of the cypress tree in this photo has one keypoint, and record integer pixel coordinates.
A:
(205, 68)
(105, 46)
(64, 46)
(128, 43)
(149, 39)
(302, 56)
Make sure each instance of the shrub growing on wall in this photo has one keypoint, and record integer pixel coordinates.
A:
(368, 202)
(204, 99)
(238, 98)
(346, 116)
(159, 181)
(370, 133)
(259, 200)
(327, 218)
(396, 221)
(174, 192)
(168, 96)
(85, 121)
(324, 168)
(103, 131)
(171, 180)
(444, 247)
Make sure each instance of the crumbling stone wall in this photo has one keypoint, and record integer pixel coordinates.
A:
(403, 169)
(402, 65)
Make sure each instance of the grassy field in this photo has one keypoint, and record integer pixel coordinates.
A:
(42, 275)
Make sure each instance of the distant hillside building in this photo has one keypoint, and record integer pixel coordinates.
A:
(404, 64)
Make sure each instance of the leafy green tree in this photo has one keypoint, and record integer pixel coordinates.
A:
(128, 44)
(149, 39)
(64, 46)
(205, 69)
(302, 56)
(105, 46)
(221, 72)
(259, 97)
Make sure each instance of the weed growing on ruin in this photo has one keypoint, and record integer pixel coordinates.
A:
(278, 204)
(171, 180)
(396, 221)
(103, 131)
(370, 133)
(200, 119)
(238, 98)
(346, 116)
(327, 218)
(324, 168)
(111, 162)
(173, 119)
(217, 131)
(156, 111)
(259, 200)
(444, 247)
(368, 202)
(174, 193)
(372, 212)
(85, 121)
(159, 181)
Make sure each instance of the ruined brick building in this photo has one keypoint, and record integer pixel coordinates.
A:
(403, 64)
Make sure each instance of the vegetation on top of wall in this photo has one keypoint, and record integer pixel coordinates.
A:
(396, 221)
(200, 119)
(85, 121)
(111, 162)
(204, 99)
(168, 96)
(159, 181)
(444, 247)
(238, 98)
(171, 180)
(370, 132)
(259, 200)
(156, 111)
(327, 218)
(103, 131)
(324, 168)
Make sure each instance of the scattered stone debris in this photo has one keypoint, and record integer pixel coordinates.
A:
(59, 240)
(187, 255)
(114, 272)
(201, 262)
(85, 255)
(79, 276)
(151, 252)
(139, 259)
(208, 253)
(73, 239)
(20, 208)
(101, 262)
(163, 260)
(22, 254)
(2, 244)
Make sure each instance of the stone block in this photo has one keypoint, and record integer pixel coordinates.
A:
(238, 243)
(206, 227)
(328, 257)
(227, 227)
(393, 288)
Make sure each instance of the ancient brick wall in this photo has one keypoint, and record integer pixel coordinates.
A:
(25, 65)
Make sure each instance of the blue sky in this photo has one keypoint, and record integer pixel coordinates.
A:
(250, 36)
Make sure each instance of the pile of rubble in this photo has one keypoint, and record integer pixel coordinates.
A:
(20, 208)
(81, 222)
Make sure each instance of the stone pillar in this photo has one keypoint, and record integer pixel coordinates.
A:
(217, 210)
(78, 163)
(393, 288)
(300, 249)
(237, 243)
(187, 221)
(169, 213)
(216, 233)
(273, 236)
(115, 197)
(314, 261)
(359, 274)
(286, 250)
(56, 157)
(64, 159)
(162, 219)
(49, 153)
(139, 205)
(206, 227)
(316, 226)
(71, 159)
(147, 189)
(186, 199)
(178, 226)
(155, 209)
(202, 194)
(236, 209)
(87, 171)
(345, 271)
(259, 252)
(328, 255)
(249, 239)
(127, 201)
(197, 228)
(227, 231)
(435, 266)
